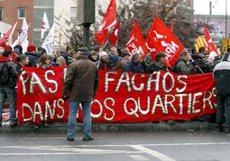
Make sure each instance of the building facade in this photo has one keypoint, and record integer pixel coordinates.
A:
(16, 10)
(220, 24)
(39, 7)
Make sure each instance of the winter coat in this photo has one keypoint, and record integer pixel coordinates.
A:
(12, 71)
(133, 67)
(184, 67)
(222, 78)
(155, 67)
(81, 80)
(33, 58)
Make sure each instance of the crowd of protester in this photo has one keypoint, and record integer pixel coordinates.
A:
(113, 59)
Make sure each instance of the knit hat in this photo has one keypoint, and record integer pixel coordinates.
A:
(31, 48)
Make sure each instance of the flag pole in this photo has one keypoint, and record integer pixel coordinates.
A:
(194, 61)
(105, 44)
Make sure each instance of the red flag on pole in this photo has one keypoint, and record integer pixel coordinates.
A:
(166, 41)
(211, 46)
(101, 37)
(109, 20)
(151, 45)
(136, 43)
(115, 34)
(9, 33)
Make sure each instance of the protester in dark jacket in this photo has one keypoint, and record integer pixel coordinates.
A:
(104, 62)
(159, 64)
(18, 50)
(33, 55)
(184, 66)
(80, 86)
(134, 65)
(147, 62)
(222, 78)
(8, 77)
(200, 65)
(114, 58)
(124, 61)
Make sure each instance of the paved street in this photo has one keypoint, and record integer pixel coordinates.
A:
(116, 146)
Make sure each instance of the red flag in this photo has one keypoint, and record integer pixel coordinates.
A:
(109, 19)
(151, 45)
(9, 33)
(166, 41)
(115, 34)
(136, 42)
(211, 46)
(101, 37)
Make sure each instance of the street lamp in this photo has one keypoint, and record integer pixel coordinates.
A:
(85, 17)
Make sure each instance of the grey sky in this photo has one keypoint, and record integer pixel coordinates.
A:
(202, 7)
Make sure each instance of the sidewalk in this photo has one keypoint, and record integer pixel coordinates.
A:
(162, 126)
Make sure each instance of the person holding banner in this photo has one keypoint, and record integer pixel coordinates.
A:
(80, 87)
(160, 59)
(134, 65)
(184, 65)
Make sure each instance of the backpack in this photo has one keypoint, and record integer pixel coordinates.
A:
(4, 74)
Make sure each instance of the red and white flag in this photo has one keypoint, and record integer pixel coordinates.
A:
(109, 20)
(113, 38)
(151, 45)
(101, 37)
(166, 41)
(211, 46)
(136, 43)
(8, 35)
(44, 25)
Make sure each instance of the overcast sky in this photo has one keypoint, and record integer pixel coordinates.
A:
(202, 7)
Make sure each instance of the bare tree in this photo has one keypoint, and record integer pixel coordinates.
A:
(144, 11)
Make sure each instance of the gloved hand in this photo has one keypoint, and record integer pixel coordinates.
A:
(65, 97)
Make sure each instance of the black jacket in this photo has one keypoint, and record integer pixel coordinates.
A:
(222, 78)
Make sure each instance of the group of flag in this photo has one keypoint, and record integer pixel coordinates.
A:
(160, 38)
(22, 38)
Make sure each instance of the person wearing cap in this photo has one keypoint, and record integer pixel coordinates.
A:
(221, 74)
(159, 64)
(33, 55)
(80, 88)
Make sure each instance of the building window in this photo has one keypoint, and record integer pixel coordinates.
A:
(21, 12)
(1, 14)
